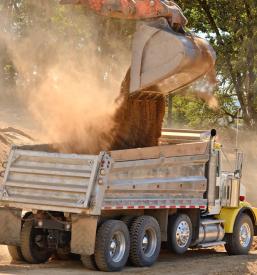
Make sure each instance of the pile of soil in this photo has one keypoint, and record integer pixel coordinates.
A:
(9, 136)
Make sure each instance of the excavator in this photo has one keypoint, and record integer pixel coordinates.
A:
(165, 59)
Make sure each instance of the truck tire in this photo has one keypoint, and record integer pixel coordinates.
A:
(15, 253)
(145, 243)
(127, 220)
(33, 244)
(89, 262)
(112, 246)
(240, 241)
(179, 233)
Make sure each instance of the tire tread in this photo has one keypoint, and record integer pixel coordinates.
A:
(100, 249)
(15, 253)
(232, 246)
(89, 262)
(26, 249)
(135, 230)
(25, 242)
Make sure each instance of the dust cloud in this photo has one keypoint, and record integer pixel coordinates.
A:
(75, 111)
(203, 89)
(64, 88)
(247, 144)
(205, 86)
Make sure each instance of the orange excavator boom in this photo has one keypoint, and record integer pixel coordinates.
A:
(134, 9)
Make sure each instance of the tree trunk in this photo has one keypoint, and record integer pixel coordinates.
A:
(170, 107)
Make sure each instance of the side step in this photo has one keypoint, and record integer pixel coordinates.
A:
(205, 245)
(211, 221)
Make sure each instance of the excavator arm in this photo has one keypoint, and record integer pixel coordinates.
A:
(165, 59)
(135, 9)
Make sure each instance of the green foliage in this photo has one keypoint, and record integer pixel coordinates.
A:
(231, 27)
(190, 111)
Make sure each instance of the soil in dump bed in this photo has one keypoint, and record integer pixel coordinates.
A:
(138, 121)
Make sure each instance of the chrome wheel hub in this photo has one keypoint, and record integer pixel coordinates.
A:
(149, 242)
(245, 235)
(117, 246)
(182, 234)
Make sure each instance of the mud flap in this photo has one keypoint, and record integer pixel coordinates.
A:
(10, 226)
(83, 234)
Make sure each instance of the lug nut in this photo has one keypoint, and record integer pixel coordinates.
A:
(67, 226)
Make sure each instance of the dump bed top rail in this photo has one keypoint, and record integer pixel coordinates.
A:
(174, 136)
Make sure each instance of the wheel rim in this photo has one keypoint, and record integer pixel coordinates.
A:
(117, 246)
(39, 241)
(245, 235)
(149, 242)
(182, 234)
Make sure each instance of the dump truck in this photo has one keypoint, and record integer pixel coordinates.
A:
(122, 205)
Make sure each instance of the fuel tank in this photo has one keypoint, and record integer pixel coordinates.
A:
(165, 61)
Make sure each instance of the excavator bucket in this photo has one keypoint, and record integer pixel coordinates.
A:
(166, 61)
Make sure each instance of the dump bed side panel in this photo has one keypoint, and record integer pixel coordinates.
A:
(49, 181)
(172, 176)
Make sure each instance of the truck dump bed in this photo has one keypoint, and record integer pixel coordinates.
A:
(167, 176)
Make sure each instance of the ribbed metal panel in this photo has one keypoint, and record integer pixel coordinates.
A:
(49, 179)
(171, 178)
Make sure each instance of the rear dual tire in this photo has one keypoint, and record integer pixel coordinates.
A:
(115, 244)
(145, 243)
(33, 244)
(15, 253)
(112, 246)
(89, 262)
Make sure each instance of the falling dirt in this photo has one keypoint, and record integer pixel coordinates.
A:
(138, 120)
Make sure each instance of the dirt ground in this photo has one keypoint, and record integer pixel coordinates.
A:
(208, 261)
(16, 127)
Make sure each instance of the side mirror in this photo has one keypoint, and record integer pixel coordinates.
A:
(239, 165)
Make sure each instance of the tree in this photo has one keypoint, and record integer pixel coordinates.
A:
(231, 26)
